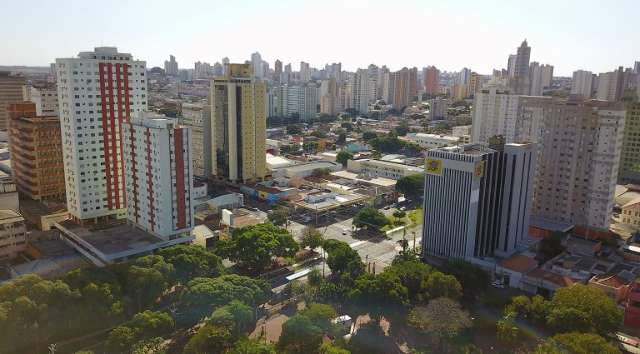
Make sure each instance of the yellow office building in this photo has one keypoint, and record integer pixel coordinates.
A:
(238, 127)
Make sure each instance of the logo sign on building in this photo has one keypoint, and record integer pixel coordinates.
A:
(433, 166)
(478, 169)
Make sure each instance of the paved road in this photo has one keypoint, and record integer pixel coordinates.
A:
(379, 249)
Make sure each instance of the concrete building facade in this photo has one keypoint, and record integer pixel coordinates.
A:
(159, 175)
(10, 92)
(238, 125)
(36, 153)
(98, 92)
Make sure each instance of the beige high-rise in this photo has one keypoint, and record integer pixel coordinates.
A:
(579, 146)
(238, 114)
(10, 92)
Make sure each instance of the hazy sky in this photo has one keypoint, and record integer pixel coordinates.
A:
(451, 34)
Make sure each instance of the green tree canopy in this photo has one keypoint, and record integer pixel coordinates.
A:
(370, 218)
(320, 315)
(438, 285)
(342, 259)
(210, 339)
(279, 216)
(577, 343)
(328, 348)
(252, 346)
(379, 293)
(253, 248)
(343, 156)
(192, 261)
(474, 280)
(584, 305)
(236, 316)
(294, 129)
(411, 186)
(203, 294)
(442, 317)
(369, 135)
(300, 336)
(412, 274)
(311, 238)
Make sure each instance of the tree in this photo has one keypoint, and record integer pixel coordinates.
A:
(342, 139)
(192, 261)
(347, 125)
(379, 293)
(402, 129)
(209, 339)
(279, 216)
(577, 343)
(342, 259)
(474, 280)
(149, 346)
(294, 129)
(328, 348)
(147, 279)
(438, 285)
(149, 324)
(254, 247)
(121, 339)
(236, 316)
(370, 217)
(320, 315)
(369, 135)
(203, 294)
(584, 303)
(318, 134)
(412, 274)
(300, 335)
(252, 346)
(507, 330)
(411, 186)
(442, 317)
(311, 238)
(343, 156)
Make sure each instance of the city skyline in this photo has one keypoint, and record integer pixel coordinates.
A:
(478, 36)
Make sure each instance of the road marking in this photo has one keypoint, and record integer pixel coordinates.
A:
(357, 243)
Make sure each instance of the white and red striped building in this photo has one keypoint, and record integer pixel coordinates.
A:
(158, 174)
(98, 93)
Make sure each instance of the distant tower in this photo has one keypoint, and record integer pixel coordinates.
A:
(521, 70)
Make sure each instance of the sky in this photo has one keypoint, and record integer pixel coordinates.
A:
(450, 34)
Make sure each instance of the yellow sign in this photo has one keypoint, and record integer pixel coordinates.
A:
(433, 166)
(478, 169)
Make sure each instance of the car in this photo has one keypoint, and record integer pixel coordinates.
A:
(387, 207)
(344, 233)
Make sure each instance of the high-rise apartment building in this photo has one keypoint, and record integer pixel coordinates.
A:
(36, 153)
(198, 117)
(582, 83)
(98, 92)
(363, 89)
(158, 174)
(202, 70)
(511, 65)
(547, 75)
(535, 79)
(10, 92)
(630, 156)
(402, 87)
(609, 86)
(305, 72)
(478, 200)
(277, 71)
(432, 80)
(256, 65)
(238, 124)
(579, 145)
(45, 97)
(521, 69)
(171, 66)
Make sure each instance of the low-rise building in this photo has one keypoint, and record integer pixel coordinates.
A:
(432, 141)
(13, 234)
(379, 168)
